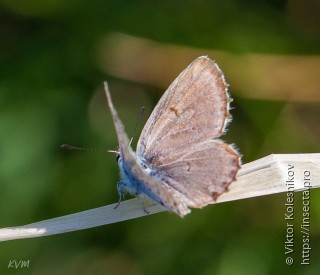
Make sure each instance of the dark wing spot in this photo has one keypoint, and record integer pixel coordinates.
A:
(215, 195)
(174, 110)
(189, 166)
(150, 159)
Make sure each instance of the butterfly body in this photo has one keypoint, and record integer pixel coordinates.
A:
(180, 162)
(132, 184)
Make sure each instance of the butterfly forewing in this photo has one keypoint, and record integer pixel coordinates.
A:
(178, 140)
(193, 109)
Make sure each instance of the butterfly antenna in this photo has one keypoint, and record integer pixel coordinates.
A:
(71, 147)
(138, 123)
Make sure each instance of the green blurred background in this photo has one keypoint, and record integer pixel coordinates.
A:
(54, 57)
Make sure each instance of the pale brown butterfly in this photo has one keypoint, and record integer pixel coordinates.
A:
(179, 162)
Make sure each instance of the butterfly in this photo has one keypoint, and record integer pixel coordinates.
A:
(179, 162)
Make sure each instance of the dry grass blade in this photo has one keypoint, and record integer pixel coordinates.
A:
(265, 176)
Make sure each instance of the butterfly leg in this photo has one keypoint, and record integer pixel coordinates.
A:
(140, 198)
(120, 192)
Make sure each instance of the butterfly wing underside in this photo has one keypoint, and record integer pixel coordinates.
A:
(179, 140)
(169, 197)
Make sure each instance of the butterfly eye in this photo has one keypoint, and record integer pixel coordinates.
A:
(118, 157)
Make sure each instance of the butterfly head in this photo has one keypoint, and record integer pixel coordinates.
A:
(118, 155)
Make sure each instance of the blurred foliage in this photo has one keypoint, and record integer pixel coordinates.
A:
(51, 93)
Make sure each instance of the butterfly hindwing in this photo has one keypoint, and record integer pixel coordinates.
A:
(203, 172)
